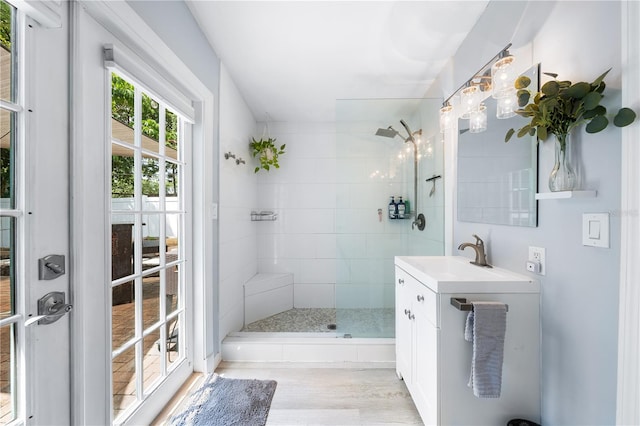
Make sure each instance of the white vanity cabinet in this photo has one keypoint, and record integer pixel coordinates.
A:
(434, 359)
(416, 341)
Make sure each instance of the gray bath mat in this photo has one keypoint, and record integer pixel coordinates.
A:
(224, 402)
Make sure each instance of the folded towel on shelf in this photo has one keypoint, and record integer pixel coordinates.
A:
(485, 327)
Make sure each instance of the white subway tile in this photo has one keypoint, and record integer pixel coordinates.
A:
(314, 295)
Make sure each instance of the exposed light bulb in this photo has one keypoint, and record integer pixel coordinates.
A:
(478, 120)
(502, 77)
(469, 99)
(446, 117)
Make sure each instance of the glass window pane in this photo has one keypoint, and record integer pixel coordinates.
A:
(7, 160)
(173, 232)
(152, 370)
(171, 179)
(123, 315)
(7, 374)
(7, 58)
(171, 135)
(174, 350)
(151, 300)
(150, 176)
(172, 274)
(150, 124)
(124, 381)
(7, 264)
(122, 178)
(122, 96)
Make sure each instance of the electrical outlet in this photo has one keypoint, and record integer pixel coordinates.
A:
(537, 255)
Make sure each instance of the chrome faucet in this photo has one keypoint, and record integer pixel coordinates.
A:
(481, 257)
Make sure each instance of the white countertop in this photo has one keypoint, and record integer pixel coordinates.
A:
(454, 274)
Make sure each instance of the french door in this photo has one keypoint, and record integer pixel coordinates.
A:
(34, 227)
(131, 229)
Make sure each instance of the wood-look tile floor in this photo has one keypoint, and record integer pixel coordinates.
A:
(326, 394)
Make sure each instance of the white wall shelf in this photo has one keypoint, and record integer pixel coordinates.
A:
(566, 194)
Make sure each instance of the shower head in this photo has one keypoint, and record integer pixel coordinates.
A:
(389, 132)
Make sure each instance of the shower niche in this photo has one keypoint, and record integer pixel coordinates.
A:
(384, 148)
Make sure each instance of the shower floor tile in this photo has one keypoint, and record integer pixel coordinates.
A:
(378, 322)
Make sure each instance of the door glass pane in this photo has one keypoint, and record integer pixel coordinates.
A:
(150, 124)
(150, 176)
(173, 339)
(122, 177)
(171, 281)
(123, 315)
(171, 135)
(151, 360)
(7, 58)
(151, 300)
(7, 374)
(124, 380)
(173, 231)
(171, 182)
(7, 276)
(122, 96)
(7, 151)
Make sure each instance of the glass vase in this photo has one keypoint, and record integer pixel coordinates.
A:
(562, 177)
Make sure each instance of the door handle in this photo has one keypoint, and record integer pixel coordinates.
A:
(51, 307)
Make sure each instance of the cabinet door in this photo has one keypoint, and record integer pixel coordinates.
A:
(425, 366)
(403, 327)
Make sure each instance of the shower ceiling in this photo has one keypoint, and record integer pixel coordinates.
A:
(294, 59)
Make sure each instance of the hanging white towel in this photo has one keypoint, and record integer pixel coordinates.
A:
(485, 327)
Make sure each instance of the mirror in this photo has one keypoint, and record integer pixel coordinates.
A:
(497, 181)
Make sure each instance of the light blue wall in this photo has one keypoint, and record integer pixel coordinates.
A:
(579, 41)
(174, 23)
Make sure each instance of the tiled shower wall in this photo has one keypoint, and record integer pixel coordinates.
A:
(303, 193)
(333, 179)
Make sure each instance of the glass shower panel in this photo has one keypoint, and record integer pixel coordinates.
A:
(370, 170)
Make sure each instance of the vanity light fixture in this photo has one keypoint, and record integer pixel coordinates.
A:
(496, 76)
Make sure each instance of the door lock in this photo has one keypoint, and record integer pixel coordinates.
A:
(50, 267)
(51, 307)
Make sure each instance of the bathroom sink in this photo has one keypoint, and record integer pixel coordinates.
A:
(454, 274)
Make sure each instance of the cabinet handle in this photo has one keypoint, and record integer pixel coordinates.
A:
(420, 298)
(400, 281)
(411, 316)
(406, 312)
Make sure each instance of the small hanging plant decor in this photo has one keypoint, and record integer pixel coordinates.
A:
(267, 152)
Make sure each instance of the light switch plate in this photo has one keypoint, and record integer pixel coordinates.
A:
(595, 229)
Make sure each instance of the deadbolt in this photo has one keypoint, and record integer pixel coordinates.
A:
(50, 267)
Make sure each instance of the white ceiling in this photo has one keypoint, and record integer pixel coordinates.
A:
(293, 59)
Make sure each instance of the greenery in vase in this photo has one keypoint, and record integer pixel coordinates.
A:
(267, 152)
(560, 106)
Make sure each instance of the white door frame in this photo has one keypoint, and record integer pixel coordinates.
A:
(90, 335)
(41, 211)
(628, 399)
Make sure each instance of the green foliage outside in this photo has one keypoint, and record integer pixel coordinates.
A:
(5, 25)
(122, 168)
(5, 153)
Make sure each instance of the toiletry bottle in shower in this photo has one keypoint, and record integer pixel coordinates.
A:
(392, 209)
(400, 207)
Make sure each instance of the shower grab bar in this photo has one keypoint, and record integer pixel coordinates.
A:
(461, 304)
